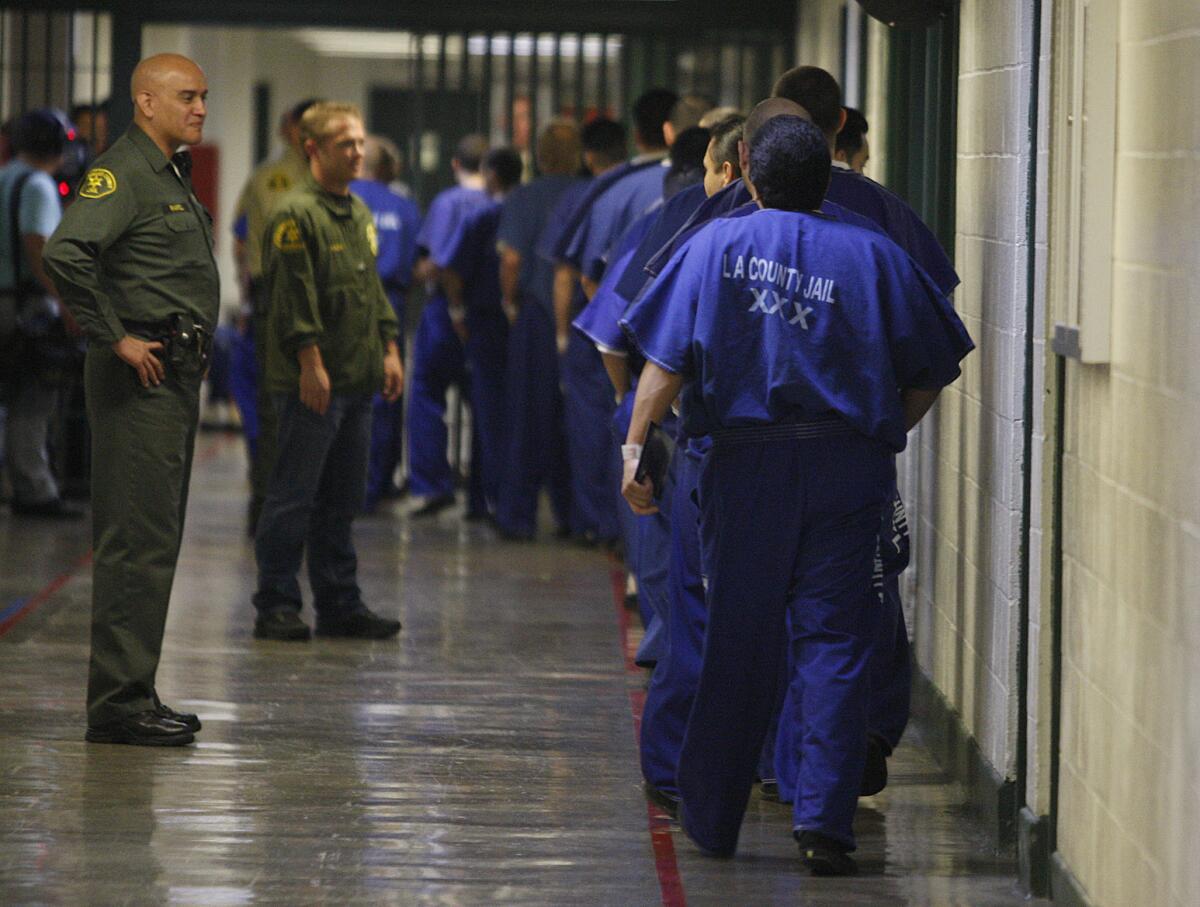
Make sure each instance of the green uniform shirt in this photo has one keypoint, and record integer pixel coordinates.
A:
(135, 245)
(269, 183)
(319, 273)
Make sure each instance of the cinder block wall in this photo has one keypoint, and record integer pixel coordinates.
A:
(1130, 789)
(969, 505)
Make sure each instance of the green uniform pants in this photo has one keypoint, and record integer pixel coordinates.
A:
(142, 443)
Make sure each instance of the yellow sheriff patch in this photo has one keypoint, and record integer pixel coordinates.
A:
(97, 183)
(372, 237)
(286, 237)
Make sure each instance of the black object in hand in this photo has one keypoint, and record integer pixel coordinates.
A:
(657, 450)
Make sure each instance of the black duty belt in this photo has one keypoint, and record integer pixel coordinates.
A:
(184, 340)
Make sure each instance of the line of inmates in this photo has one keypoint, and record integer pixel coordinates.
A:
(799, 309)
(551, 296)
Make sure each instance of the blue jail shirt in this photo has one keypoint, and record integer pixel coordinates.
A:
(523, 220)
(444, 218)
(791, 315)
(611, 213)
(397, 221)
(471, 253)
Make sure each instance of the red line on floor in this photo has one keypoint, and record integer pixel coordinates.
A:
(39, 598)
(670, 883)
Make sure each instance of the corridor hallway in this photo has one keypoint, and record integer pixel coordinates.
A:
(487, 756)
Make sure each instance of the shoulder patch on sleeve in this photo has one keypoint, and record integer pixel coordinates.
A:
(372, 237)
(97, 183)
(286, 236)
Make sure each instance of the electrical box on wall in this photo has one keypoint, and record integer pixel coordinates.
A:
(1083, 148)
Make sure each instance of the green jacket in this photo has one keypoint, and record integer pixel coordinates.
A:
(136, 244)
(319, 274)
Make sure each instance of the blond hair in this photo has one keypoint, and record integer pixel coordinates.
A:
(317, 122)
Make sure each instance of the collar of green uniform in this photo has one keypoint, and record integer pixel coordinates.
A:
(338, 205)
(153, 154)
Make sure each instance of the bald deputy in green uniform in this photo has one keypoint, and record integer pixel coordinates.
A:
(132, 260)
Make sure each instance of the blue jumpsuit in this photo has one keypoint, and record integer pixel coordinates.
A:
(891, 664)
(599, 321)
(535, 445)
(672, 689)
(397, 220)
(472, 255)
(587, 403)
(438, 355)
(773, 316)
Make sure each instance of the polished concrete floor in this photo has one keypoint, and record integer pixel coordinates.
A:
(487, 756)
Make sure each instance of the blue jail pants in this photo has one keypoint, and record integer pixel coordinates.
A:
(486, 355)
(891, 665)
(594, 465)
(673, 684)
(438, 362)
(387, 428)
(789, 528)
(535, 444)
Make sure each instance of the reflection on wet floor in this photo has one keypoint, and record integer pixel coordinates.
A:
(486, 756)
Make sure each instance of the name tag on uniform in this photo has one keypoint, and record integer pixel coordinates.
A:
(175, 208)
(337, 247)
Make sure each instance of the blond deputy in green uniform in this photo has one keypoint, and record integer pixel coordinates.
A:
(331, 346)
(270, 182)
(133, 261)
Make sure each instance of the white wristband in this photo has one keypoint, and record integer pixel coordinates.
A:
(631, 452)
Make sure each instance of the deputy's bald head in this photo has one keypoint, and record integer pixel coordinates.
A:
(169, 100)
(768, 109)
(156, 73)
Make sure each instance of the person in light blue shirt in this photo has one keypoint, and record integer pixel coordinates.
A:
(29, 307)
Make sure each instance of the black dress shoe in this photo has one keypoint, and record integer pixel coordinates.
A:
(187, 719)
(825, 856)
(54, 509)
(362, 624)
(875, 772)
(434, 505)
(148, 728)
(283, 624)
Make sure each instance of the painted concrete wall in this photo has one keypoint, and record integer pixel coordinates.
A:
(968, 519)
(1130, 790)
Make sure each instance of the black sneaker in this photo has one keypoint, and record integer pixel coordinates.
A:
(147, 728)
(769, 791)
(875, 772)
(283, 625)
(825, 856)
(187, 719)
(362, 624)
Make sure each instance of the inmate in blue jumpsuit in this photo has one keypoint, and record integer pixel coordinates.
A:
(891, 665)
(774, 317)
(673, 686)
(472, 255)
(587, 396)
(535, 445)
(397, 220)
(438, 356)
